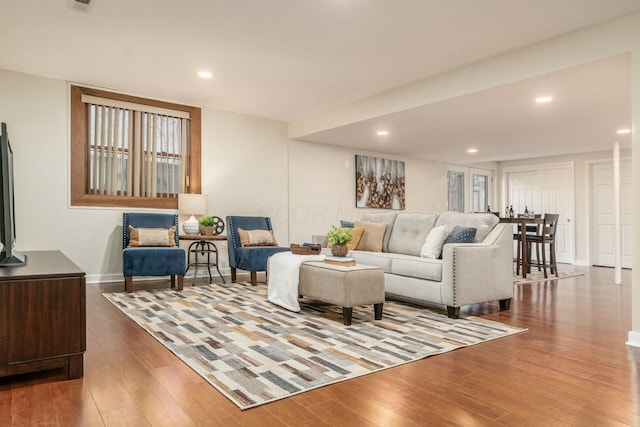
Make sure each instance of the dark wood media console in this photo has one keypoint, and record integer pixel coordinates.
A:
(42, 315)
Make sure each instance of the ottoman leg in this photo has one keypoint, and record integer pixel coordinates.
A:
(377, 309)
(346, 315)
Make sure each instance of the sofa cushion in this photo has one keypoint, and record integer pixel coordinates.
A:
(433, 245)
(412, 266)
(388, 218)
(410, 230)
(372, 237)
(460, 235)
(483, 222)
(378, 259)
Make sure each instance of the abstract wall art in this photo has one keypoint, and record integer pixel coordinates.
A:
(380, 183)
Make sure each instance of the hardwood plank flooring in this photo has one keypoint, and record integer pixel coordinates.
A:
(570, 368)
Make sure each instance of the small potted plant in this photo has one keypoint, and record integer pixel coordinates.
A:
(338, 238)
(206, 225)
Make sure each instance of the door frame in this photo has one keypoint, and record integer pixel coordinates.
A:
(589, 164)
(534, 167)
(468, 185)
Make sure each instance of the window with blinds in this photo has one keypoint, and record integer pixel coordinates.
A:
(135, 152)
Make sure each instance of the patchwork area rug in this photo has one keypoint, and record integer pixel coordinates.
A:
(538, 276)
(255, 352)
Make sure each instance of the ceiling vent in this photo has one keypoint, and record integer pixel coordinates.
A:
(83, 1)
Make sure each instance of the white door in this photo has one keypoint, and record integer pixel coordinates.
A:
(602, 209)
(546, 190)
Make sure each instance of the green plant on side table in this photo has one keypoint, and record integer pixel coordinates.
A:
(206, 225)
(338, 239)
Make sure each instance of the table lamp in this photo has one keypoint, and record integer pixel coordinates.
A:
(192, 204)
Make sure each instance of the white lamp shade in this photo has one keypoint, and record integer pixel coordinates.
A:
(193, 204)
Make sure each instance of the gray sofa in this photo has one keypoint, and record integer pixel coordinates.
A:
(468, 273)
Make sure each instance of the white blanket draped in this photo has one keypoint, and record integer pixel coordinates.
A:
(284, 277)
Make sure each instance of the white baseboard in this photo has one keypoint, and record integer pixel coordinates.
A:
(580, 262)
(634, 339)
(110, 278)
(104, 278)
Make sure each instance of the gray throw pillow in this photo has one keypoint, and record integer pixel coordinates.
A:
(346, 224)
(460, 235)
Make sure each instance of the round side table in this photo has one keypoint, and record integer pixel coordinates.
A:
(201, 246)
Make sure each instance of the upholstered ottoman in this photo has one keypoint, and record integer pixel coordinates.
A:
(343, 286)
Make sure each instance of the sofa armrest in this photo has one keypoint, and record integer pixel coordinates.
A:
(475, 272)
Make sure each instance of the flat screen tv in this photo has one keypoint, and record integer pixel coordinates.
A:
(9, 257)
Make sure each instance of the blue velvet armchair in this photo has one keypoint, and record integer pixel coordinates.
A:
(252, 258)
(151, 260)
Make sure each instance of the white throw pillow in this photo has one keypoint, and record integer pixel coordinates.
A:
(433, 244)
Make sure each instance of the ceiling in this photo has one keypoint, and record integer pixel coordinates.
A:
(590, 103)
(289, 59)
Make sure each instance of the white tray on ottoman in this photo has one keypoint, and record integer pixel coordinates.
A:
(344, 286)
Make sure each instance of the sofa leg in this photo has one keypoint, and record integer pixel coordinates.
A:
(233, 275)
(505, 304)
(453, 312)
(173, 281)
(254, 278)
(128, 284)
(180, 282)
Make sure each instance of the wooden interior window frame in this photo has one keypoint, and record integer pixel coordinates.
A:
(80, 153)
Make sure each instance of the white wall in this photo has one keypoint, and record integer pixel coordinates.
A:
(244, 166)
(322, 187)
(36, 112)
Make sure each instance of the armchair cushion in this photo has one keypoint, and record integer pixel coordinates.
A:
(254, 258)
(257, 238)
(150, 261)
(152, 236)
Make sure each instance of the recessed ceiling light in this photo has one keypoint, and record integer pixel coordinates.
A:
(472, 150)
(383, 133)
(542, 99)
(623, 131)
(205, 74)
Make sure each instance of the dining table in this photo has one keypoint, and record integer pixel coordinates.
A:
(523, 221)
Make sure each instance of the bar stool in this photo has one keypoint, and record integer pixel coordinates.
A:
(530, 230)
(547, 236)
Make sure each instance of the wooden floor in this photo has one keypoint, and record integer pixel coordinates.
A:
(571, 368)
